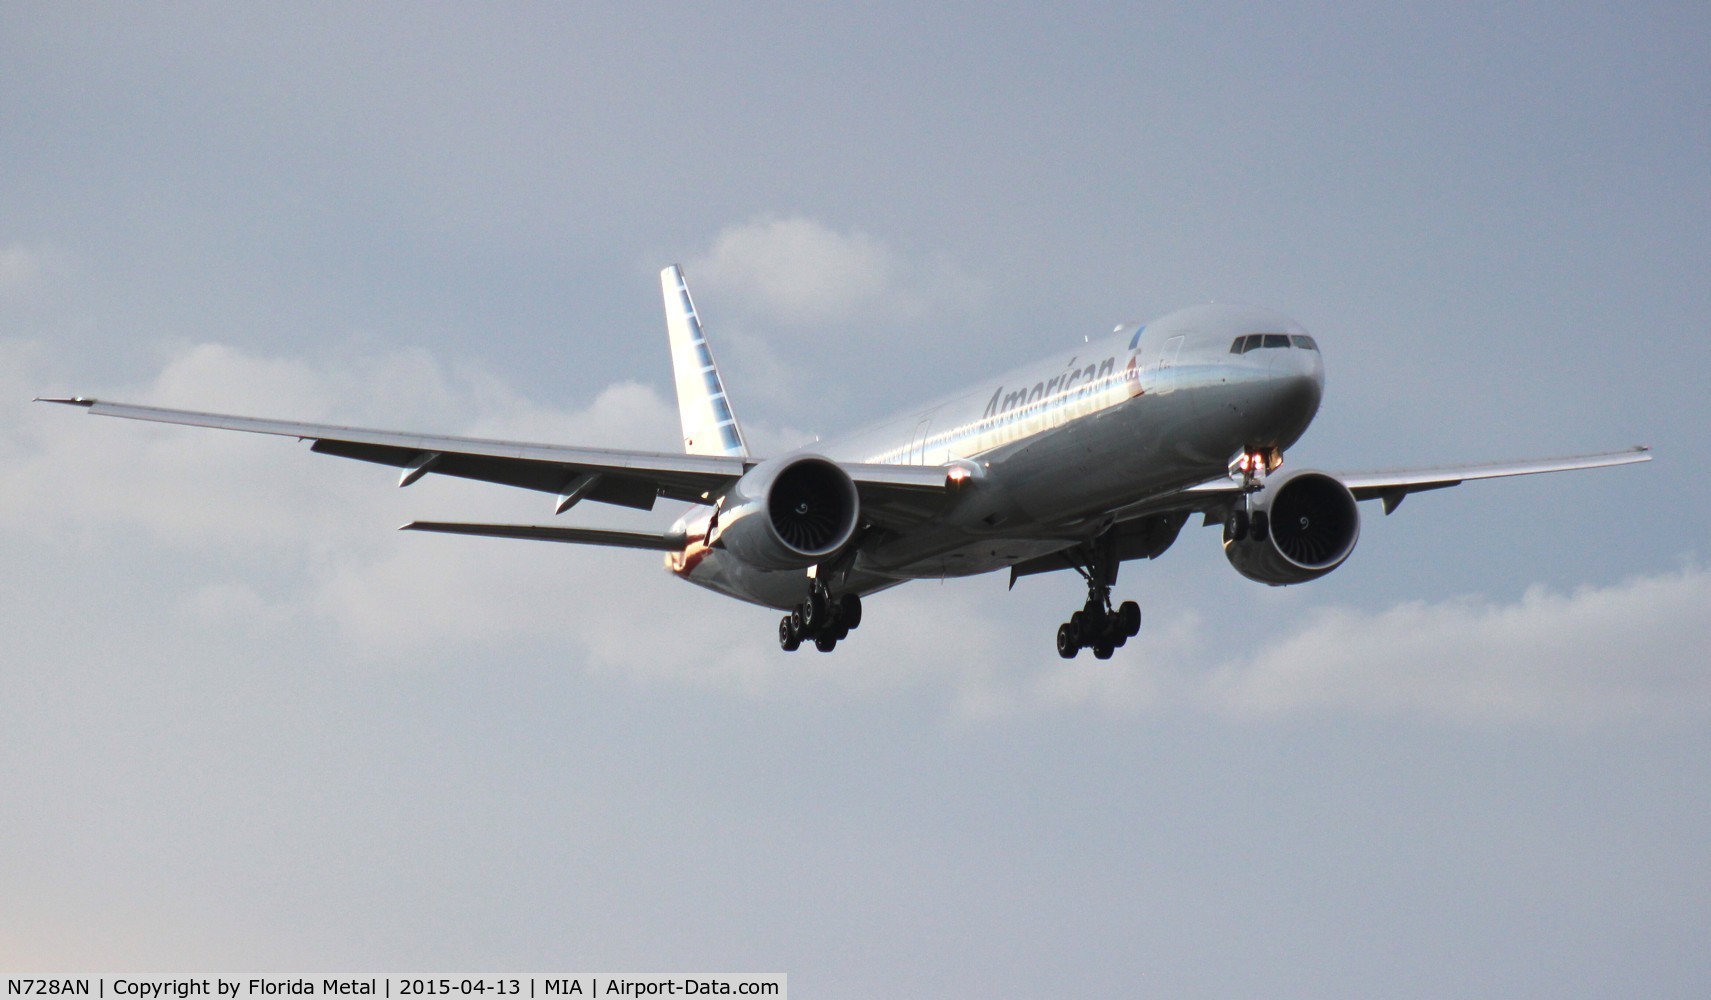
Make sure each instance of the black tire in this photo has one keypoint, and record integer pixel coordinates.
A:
(1068, 643)
(1235, 525)
(1129, 619)
(815, 614)
(1103, 650)
(1078, 628)
(849, 610)
(797, 621)
(826, 643)
(789, 639)
(1262, 521)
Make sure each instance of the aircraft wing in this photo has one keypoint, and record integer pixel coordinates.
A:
(626, 478)
(663, 542)
(1391, 485)
(1144, 529)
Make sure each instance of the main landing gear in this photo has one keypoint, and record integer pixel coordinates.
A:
(821, 619)
(1099, 625)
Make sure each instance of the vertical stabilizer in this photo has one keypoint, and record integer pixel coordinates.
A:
(709, 427)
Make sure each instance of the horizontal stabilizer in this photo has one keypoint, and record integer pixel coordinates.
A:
(541, 533)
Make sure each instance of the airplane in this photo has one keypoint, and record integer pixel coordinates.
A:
(1090, 458)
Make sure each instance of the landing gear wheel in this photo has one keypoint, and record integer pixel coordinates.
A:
(1068, 641)
(849, 611)
(816, 613)
(1103, 650)
(823, 618)
(1129, 619)
(1235, 525)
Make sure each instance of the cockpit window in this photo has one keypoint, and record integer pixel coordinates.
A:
(1255, 341)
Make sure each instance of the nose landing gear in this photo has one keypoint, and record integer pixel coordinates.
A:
(821, 619)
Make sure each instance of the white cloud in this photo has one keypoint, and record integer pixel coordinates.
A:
(800, 303)
(623, 415)
(19, 269)
(1629, 651)
(797, 270)
(1609, 655)
(27, 271)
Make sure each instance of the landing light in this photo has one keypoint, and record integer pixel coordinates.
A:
(1256, 462)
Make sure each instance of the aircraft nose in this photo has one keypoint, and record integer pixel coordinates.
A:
(1293, 391)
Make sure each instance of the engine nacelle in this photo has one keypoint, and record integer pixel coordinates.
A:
(1297, 528)
(788, 513)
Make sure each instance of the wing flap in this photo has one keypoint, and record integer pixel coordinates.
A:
(665, 542)
(546, 477)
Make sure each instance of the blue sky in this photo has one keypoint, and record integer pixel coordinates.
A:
(250, 726)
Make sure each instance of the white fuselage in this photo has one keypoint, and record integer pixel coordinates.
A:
(1051, 450)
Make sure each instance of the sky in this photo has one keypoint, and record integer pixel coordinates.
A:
(250, 727)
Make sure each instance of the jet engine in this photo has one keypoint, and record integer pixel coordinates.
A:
(788, 513)
(1297, 528)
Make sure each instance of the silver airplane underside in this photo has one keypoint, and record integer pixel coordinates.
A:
(1079, 462)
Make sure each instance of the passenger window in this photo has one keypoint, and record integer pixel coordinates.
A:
(1305, 343)
(1276, 340)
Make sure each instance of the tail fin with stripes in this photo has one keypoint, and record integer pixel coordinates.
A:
(709, 426)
